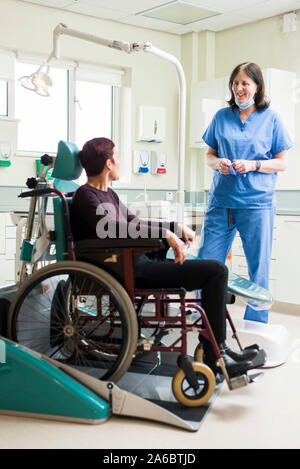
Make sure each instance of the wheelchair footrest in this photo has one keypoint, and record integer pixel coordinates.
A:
(238, 382)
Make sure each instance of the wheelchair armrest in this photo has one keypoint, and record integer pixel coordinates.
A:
(147, 244)
(35, 193)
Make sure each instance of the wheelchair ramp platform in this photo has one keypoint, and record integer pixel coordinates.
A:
(144, 392)
(156, 388)
(141, 395)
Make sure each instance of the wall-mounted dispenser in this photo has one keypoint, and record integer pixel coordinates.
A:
(5, 153)
(151, 124)
(141, 161)
(158, 162)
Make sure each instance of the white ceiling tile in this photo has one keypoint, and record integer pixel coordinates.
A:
(269, 8)
(149, 23)
(224, 5)
(218, 23)
(97, 11)
(181, 29)
(51, 3)
(131, 6)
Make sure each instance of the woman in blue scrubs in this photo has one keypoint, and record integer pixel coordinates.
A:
(247, 146)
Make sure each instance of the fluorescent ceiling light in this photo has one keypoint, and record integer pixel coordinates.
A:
(179, 12)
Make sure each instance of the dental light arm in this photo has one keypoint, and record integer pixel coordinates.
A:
(63, 29)
(40, 81)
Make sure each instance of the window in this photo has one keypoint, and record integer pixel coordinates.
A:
(3, 98)
(80, 106)
(43, 121)
(93, 111)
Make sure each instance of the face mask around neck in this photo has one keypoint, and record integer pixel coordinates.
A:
(246, 104)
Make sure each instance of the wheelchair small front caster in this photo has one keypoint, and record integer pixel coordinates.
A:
(193, 383)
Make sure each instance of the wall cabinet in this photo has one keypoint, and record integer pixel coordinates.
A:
(7, 249)
(288, 259)
(206, 98)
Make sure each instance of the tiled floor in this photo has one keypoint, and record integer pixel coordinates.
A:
(262, 415)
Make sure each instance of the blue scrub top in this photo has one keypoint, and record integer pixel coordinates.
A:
(261, 137)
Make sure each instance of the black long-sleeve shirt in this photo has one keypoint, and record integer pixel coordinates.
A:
(101, 214)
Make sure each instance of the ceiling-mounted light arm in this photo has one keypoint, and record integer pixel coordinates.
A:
(62, 29)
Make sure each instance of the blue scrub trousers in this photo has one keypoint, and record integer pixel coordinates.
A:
(255, 227)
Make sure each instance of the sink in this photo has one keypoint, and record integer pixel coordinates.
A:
(159, 209)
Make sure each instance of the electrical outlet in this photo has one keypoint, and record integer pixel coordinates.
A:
(169, 195)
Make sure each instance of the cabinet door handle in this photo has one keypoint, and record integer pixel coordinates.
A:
(291, 221)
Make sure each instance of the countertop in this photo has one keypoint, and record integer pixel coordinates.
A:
(200, 209)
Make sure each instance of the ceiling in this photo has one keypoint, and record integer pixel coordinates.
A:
(177, 16)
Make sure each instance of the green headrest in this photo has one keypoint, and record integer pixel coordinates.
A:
(67, 165)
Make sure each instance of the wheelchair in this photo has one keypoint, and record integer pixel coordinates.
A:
(83, 308)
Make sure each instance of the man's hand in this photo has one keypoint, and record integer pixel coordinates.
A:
(178, 246)
(186, 233)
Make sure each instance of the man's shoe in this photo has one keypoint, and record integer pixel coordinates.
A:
(233, 367)
(246, 354)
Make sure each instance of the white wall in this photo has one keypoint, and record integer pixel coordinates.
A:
(28, 28)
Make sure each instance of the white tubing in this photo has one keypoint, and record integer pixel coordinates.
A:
(182, 122)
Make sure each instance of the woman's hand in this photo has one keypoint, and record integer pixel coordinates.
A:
(178, 246)
(244, 166)
(186, 233)
(223, 165)
(215, 163)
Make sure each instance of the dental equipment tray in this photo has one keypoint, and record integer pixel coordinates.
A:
(258, 297)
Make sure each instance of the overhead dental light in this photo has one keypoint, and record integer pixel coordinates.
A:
(40, 81)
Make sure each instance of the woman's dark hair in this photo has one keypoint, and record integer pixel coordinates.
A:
(254, 72)
(94, 154)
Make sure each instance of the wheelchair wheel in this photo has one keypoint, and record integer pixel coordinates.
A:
(186, 394)
(78, 314)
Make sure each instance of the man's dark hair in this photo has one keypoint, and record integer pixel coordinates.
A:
(94, 154)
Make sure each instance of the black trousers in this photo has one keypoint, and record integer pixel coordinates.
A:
(208, 275)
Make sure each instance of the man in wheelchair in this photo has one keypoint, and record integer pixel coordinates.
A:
(96, 212)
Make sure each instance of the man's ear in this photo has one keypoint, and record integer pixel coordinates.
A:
(108, 164)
